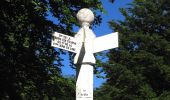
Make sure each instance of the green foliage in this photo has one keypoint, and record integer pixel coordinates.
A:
(27, 68)
(103, 93)
(140, 68)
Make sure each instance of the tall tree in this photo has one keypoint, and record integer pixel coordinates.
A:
(27, 69)
(140, 68)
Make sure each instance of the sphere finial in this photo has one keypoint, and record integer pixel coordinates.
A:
(85, 16)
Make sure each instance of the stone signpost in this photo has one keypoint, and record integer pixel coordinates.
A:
(85, 44)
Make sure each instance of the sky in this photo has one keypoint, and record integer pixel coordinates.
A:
(113, 13)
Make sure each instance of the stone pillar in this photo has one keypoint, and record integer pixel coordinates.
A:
(84, 59)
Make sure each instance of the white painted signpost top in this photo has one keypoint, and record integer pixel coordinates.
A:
(85, 44)
(73, 44)
(85, 16)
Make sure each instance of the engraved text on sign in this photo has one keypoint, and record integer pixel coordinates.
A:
(64, 42)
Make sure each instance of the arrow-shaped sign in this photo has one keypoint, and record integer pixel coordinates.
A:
(105, 42)
(64, 42)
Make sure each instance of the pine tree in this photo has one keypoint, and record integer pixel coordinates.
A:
(140, 68)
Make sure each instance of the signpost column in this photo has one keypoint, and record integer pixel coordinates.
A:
(84, 59)
(84, 44)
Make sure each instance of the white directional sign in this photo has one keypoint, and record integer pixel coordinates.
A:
(85, 44)
(64, 42)
(106, 42)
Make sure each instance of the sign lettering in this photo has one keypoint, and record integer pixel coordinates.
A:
(64, 42)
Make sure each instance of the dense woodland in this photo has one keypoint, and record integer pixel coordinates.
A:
(27, 68)
(138, 70)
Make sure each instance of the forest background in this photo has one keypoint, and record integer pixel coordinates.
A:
(31, 69)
